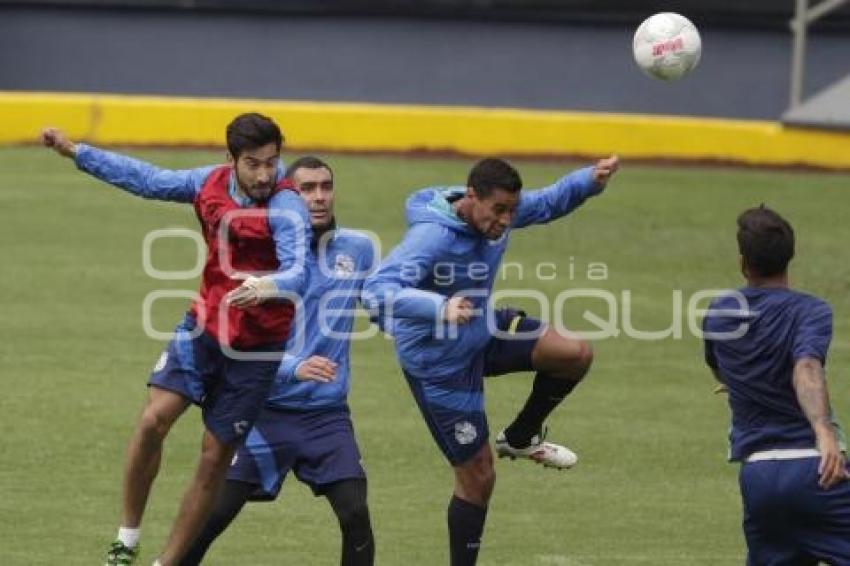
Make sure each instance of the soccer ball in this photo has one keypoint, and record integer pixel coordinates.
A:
(667, 46)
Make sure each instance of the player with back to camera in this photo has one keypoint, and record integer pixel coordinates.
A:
(448, 336)
(196, 367)
(306, 426)
(767, 345)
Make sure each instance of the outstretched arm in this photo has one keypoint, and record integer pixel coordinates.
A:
(133, 175)
(810, 385)
(567, 194)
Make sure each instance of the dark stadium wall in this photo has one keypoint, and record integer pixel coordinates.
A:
(734, 13)
(588, 67)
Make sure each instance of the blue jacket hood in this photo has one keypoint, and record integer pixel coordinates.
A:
(432, 205)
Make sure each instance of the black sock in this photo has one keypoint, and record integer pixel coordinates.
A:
(466, 523)
(348, 499)
(546, 394)
(230, 501)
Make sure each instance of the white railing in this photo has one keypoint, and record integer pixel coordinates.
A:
(805, 15)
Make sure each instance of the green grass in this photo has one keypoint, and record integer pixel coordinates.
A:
(652, 486)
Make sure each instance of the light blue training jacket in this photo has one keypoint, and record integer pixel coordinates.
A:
(148, 181)
(440, 256)
(324, 322)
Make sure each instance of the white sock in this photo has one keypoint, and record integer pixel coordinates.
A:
(157, 562)
(129, 537)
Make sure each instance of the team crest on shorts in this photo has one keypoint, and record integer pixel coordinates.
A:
(465, 432)
(343, 265)
(160, 363)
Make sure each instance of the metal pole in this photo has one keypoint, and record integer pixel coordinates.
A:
(798, 56)
(803, 17)
(822, 9)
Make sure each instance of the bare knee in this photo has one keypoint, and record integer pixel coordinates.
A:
(487, 481)
(562, 356)
(584, 357)
(476, 479)
(161, 411)
(154, 424)
(214, 461)
(574, 362)
(573, 365)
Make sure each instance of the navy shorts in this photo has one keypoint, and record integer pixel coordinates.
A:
(231, 393)
(318, 446)
(453, 405)
(789, 519)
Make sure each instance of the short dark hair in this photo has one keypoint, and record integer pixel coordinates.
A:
(490, 174)
(251, 131)
(765, 240)
(307, 162)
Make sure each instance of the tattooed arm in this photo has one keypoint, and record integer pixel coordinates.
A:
(810, 385)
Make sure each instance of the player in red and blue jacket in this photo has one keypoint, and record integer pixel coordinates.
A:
(227, 349)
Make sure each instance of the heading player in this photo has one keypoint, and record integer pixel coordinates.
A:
(448, 336)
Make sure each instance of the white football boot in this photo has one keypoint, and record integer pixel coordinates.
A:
(547, 453)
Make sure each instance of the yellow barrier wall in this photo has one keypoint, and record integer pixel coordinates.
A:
(146, 120)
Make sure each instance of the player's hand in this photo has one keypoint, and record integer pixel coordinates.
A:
(458, 310)
(55, 138)
(604, 170)
(252, 292)
(833, 468)
(316, 368)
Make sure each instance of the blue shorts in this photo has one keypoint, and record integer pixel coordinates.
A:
(789, 519)
(453, 405)
(231, 393)
(317, 445)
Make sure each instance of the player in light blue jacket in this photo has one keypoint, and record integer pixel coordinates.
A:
(432, 294)
(306, 426)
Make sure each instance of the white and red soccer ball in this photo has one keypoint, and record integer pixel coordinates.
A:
(667, 46)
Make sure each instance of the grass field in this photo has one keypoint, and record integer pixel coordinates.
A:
(652, 486)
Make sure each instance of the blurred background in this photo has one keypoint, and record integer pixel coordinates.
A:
(539, 54)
